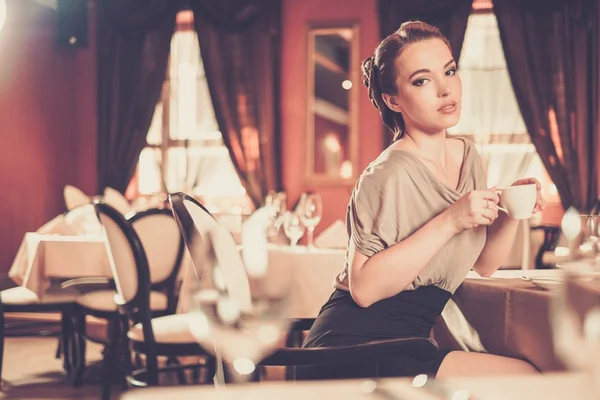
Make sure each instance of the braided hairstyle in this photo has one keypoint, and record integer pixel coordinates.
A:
(379, 70)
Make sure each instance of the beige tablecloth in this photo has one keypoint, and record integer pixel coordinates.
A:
(510, 316)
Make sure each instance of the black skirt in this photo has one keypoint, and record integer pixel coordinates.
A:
(341, 322)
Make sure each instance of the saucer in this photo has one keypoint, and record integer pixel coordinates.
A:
(552, 284)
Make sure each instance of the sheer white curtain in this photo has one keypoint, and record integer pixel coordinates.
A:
(490, 113)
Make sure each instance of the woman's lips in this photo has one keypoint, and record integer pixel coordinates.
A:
(448, 108)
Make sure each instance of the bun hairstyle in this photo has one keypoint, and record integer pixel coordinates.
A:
(379, 70)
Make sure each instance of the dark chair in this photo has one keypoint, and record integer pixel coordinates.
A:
(99, 298)
(551, 236)
(164, 247)
(193, 219)
(132, 296)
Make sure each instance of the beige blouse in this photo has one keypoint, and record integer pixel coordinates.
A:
(395, 196)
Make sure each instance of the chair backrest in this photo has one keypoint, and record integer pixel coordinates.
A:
(117, 201)
(74, 197)
(197, 226)
(127, 259)
(162, 242)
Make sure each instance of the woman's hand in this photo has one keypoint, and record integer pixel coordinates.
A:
(540, 204)
(479, 207)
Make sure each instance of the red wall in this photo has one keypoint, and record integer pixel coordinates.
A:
(47, 122)
(297, 14)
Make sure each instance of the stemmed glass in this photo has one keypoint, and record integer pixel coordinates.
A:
(234, 312)
(276, 202)
(590, 245)
(575, 309)
(293, 227)
(311, 212)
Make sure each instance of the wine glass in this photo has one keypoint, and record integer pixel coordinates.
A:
(311, 212)
(276, 202)
(238, 307)
(590, 239)
(575, 309)
(293, 227)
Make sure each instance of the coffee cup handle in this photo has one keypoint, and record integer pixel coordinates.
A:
(499, 191)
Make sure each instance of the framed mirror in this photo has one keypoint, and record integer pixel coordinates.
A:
(332, 109)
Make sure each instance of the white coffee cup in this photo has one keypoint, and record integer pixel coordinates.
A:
(518, 201)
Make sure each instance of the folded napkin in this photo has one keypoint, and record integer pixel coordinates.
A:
(57, 226)
(254, 241)
(334, 237)
(83, 220)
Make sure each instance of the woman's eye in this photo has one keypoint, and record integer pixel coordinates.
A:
(451, 71)
(420, 82)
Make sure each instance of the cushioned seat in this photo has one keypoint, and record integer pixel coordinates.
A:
(20, 296)
(168, 329)
(103, 300)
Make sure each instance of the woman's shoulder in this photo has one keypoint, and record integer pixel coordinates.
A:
(384, 175)
(390, 165)
(461, 143)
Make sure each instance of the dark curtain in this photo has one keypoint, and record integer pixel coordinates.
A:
(551, 50)
(240, 48)
(134, 39)
(449, 16)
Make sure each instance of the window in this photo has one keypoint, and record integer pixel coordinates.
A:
(185, 150)
(490, 113)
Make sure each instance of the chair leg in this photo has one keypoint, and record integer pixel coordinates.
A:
(152, 368)
(196, 375)
(59, 347)
(62, 348)
(211, 370)
(76, 344)
(110, 352)
(124, 352)
(180, 372)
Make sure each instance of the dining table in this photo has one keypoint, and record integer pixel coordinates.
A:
(508, 314)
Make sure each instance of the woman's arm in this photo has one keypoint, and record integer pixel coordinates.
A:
(390, 271)
(500, 238)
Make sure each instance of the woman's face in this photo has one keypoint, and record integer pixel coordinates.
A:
(429, 88)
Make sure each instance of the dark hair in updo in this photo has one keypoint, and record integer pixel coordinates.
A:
(379, 70)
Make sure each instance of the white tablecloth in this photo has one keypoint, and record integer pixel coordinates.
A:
(312, 272)
(45, 256)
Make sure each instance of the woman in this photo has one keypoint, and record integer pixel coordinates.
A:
(420, 216)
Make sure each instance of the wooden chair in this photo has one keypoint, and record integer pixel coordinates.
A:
(164, 248)
(98, 301)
